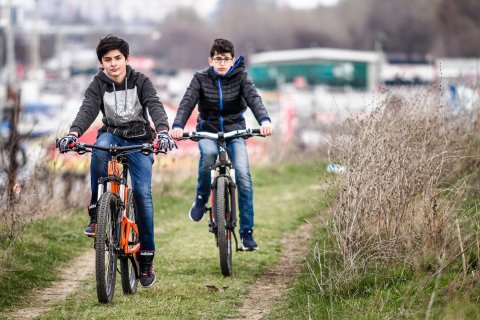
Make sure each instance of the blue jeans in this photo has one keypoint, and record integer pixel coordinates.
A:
(237, 151)
(140, 170)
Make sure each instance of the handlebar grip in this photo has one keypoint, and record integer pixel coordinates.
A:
(185, 135)
(256, 131)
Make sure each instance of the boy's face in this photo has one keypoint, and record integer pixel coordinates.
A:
(221, 62)
(115, 64)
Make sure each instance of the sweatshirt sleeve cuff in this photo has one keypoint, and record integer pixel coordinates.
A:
(264, 120)
(162, 127)
(77, 130)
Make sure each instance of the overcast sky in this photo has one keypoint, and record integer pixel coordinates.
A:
(308, 4)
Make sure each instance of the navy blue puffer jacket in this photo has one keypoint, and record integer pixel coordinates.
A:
(222, 100)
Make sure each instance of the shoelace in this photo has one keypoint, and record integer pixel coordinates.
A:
(247, 237)
(200, 203)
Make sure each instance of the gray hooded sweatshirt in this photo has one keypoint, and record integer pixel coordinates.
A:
(125, 107)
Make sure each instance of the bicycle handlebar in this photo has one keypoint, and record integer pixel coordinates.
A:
(214, 136)
(146, 148)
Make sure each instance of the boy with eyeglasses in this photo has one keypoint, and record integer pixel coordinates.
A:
(223, 92)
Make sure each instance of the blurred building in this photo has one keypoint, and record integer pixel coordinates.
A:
(460, 78)
(408, 70)
(466, 70)
(336, 68)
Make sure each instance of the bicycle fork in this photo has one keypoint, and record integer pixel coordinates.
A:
(232, 216)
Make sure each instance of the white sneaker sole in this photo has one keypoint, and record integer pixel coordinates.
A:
(90, 234)
(248, 249)
(151, 284)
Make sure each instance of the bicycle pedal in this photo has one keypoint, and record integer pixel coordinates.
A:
(211, 227)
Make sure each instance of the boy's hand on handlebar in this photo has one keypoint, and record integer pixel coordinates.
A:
(176, 133)
(165, 142)
(266, 128)
(65, 144)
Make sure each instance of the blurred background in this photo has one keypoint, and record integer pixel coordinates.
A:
(398, 233)
(315, 62)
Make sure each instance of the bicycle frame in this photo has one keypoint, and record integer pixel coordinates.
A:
(127, 224)
(116, 182)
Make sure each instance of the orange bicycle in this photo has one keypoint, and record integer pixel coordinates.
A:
(116, 234)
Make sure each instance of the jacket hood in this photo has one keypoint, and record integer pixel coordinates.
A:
(102, 75)
(239, 66)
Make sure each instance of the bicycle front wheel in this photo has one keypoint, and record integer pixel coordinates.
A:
(127, 268)
(105, 252)
(224, 233)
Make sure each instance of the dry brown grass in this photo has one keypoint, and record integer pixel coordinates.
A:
(46, 191)
(399, 197)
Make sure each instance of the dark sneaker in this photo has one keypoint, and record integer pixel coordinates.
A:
(248, 244)
(147, 275)
(92, 225)
(90, 229)
(198, 209)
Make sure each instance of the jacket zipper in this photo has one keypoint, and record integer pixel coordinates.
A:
(221, 102)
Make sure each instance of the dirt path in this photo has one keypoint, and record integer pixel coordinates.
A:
(272, 285)
(42, 301)
(262, 294)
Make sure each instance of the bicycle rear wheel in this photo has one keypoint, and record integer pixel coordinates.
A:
(105, 243)
(224, 233)
(127, 267)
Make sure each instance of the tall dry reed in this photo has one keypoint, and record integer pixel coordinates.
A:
(47, 189)
(398, 200)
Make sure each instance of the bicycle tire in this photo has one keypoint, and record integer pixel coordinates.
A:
(127, 269)
(224, 234)
(105, 251)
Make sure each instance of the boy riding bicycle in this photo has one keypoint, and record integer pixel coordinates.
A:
(126, 98)
(223, 91)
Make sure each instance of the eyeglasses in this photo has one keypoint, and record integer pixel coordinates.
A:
(224, 60)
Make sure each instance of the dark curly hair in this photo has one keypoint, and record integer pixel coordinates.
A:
(109, 43)
(222, 46)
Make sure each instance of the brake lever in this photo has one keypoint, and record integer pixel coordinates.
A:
(78, 148)
(154, 149)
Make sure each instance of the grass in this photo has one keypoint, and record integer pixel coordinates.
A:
(403, 212)
(382, 293)
(43, 246)
(186, 260)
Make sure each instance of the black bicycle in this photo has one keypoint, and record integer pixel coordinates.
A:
(223, 211)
